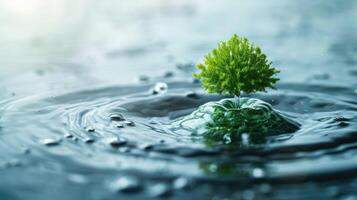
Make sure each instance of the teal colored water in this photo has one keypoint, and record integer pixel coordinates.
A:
(122, 139)
(92, 94)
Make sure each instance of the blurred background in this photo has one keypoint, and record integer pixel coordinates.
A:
(64, 45)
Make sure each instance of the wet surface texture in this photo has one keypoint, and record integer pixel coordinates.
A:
(95, 116)
(119, 138)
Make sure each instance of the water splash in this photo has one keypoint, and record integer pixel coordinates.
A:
(249, 122)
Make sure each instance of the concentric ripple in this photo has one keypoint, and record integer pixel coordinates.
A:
(93, 137)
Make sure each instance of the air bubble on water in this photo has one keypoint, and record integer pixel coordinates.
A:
(127, 184)
(258, 173)
(213, 167)
(245, 138)
(159, 190)
(51, 141)
(116, 117)
(181, 183)
(160, 88)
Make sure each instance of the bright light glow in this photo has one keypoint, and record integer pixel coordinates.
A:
(21, 7)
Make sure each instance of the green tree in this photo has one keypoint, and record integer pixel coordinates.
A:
(236, 66)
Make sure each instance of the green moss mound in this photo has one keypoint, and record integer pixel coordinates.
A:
(227, 121)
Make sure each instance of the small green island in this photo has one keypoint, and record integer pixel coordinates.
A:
(233, 68)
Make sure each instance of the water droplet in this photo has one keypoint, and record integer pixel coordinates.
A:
(258, 173)
(186, 67)
(129, 123)
(181, 183)
(168, 74)
(145, 146)
(144, 78)
(116, 117)
(192, 95)
(90, 129)
(323, 76)
(159, 190)
(153, 122)
(116, 142)
(26, 150)
(160, 88)
(196, 80)
(119, 125)
(51, 141)
(68, 135)
(213, 167)
(245, 138)
(89, 140)
(127, 184)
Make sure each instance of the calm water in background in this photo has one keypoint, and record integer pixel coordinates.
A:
(63, 76)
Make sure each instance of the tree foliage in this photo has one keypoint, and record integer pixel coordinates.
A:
(236, 66)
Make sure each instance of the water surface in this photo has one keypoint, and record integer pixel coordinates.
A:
(79, 118)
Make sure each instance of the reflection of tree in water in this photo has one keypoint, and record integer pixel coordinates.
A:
(226, 123)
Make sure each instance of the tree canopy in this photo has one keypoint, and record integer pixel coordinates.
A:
(236, 66)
